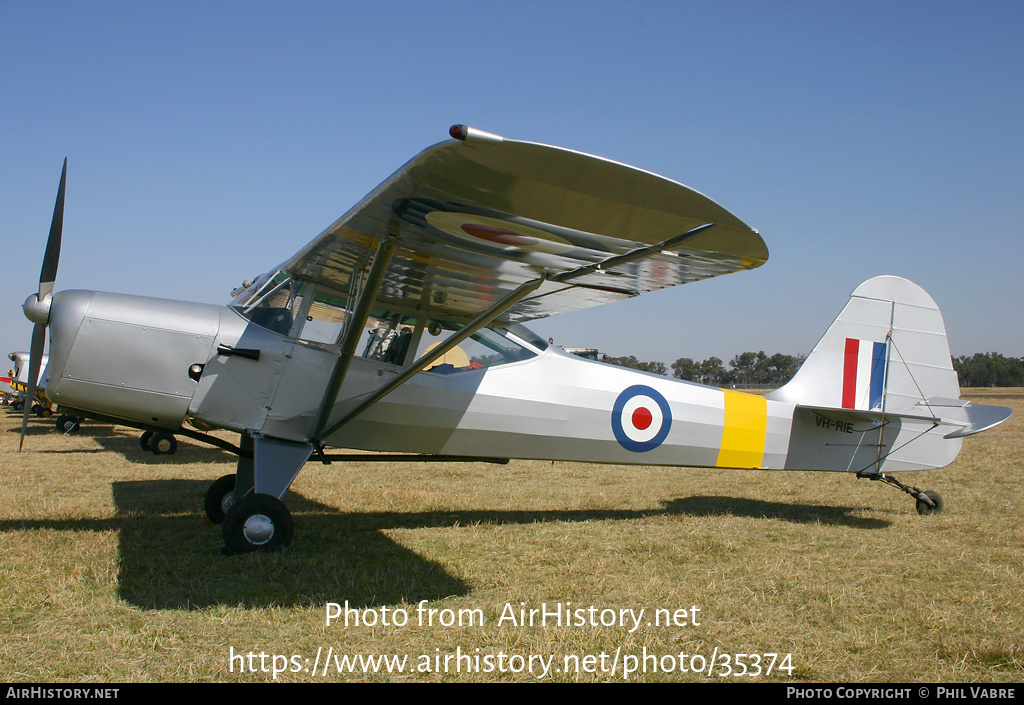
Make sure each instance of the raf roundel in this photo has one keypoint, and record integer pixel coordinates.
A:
(641, 419)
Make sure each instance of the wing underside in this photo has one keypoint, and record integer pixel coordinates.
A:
(472, 220)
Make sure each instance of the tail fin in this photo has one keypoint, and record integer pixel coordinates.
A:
(886, 351)
(882, 375)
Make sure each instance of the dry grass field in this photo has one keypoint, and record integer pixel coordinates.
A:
(110, 573)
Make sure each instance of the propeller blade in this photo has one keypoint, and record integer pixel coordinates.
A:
(34, 362)
(47, 277)
(48, 274)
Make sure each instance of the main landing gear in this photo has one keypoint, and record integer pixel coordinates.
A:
(248, 505)
(928, 501)
(257, 522)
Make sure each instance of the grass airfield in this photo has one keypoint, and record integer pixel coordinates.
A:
(110, 573)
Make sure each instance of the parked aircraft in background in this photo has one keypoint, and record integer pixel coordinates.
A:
(19, 384)
(7, 393)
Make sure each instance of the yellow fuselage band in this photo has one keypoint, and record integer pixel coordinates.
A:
(746, 419)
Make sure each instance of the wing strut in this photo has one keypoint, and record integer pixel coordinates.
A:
(354, 330)
(436, 353)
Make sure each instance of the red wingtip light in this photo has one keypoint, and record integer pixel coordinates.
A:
(459, 132)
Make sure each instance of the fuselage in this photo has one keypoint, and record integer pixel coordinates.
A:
(503, 393)
(168, 363)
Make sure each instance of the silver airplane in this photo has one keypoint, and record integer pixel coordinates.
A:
(399, 330)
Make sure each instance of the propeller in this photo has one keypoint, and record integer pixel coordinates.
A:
(37, 306)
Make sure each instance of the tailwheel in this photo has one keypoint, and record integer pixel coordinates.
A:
(219, 499)
(257, 522)
(928, 502)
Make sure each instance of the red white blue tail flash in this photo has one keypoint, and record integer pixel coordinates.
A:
(863, 374)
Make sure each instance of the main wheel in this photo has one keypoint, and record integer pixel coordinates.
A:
(163, 444)
(219, 499)
(144, 440)
(257, 522)
(924, 509)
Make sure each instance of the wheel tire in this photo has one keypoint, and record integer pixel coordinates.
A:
(144, 440)
(219, 499)
(163, 444)
(257, 522)
(66, 423)
(924, 509)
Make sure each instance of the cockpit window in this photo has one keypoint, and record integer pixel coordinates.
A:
(388, 338)
(271, 303)
(484, 348)
(324, 320)
(318, 315)
(527, 336)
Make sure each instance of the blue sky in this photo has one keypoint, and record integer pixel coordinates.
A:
(209, 141)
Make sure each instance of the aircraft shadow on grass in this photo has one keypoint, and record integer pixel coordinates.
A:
(169, 554)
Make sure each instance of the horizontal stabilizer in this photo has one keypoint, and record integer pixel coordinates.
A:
(969, 418)
(859, 416)
(974, 418)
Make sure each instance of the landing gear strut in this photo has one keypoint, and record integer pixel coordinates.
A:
(928, 502)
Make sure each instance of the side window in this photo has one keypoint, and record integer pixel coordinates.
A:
(325, 320)
(485, 348)
(388, 338)
(316, 314)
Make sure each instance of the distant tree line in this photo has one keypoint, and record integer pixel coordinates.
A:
(989, 370)
(657, 368)
(748, 368)
(760, 369)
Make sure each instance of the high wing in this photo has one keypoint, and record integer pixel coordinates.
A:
(475, 217)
